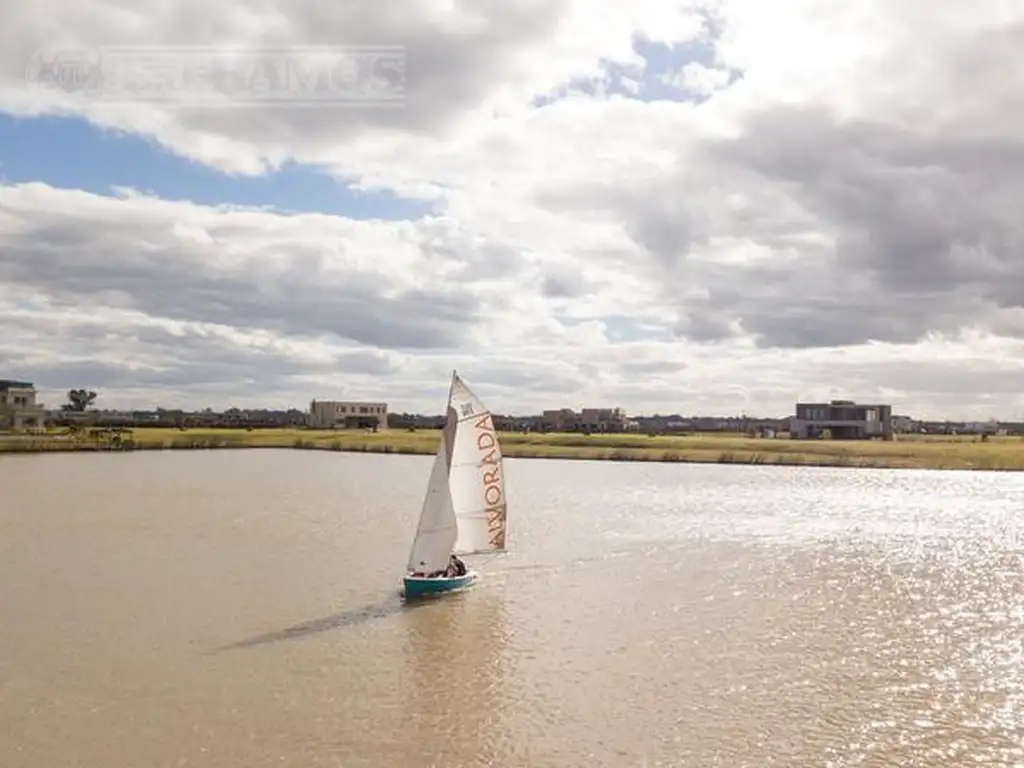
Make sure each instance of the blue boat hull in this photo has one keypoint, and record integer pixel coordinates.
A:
(421, 586)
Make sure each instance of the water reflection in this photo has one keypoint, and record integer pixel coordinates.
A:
(454, 676)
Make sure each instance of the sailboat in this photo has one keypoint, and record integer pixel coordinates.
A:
(464, 510)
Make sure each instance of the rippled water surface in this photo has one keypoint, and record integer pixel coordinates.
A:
(240, 609)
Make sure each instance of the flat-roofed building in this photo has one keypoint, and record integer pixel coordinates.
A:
(603, 420)
(560, 420)
(844, 420)
(586, 420)
(347, 414)
(18, 407)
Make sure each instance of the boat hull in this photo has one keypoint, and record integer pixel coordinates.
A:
(423, 586)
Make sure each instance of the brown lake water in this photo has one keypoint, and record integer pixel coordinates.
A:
(240, 608)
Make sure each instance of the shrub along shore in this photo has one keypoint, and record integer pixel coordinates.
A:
(908, 452)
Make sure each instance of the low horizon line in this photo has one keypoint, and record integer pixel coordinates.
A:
(440, 415)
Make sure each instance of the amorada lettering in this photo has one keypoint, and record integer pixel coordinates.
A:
(494, 496)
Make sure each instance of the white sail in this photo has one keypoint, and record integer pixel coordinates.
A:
(464, 511)
(476, 477)
(437, 530)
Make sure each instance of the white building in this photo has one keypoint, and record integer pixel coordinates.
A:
(18, 407)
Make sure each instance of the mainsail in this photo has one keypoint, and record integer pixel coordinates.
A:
(437, 529)
(464, 511)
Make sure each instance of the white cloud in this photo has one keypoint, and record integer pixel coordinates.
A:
(831, 219)
(698, 79)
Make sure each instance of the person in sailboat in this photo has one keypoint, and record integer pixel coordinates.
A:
(421, 572)
(455, 567)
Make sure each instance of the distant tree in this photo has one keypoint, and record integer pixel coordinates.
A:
(78, 400)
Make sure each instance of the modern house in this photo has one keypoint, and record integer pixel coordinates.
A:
(603, 420)
(843, 420)
(337, 414)
(587, 420)
(560, 420)
(18, 407)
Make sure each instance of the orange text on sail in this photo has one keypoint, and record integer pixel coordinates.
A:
(494, 494)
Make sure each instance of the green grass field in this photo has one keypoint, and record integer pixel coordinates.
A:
(998, 453)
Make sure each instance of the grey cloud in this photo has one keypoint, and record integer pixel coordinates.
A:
(370, 362)
(144, 264)
(908, 207)
(920, 247)
(527, 377)
(91, 374)
(702, 320)
(879, 229)
(664, 226)
(562, 284)
(939, 377)
(657, 214)
(651, 367)
(444, 74)
(478, 259)
(187, 361)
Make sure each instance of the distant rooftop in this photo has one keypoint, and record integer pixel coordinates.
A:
(6, 384)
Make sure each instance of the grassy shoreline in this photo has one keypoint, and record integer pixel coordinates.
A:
(998, 453)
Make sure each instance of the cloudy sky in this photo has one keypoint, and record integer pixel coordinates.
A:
(695, 206)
